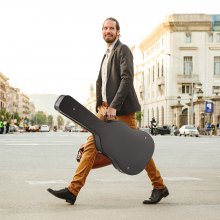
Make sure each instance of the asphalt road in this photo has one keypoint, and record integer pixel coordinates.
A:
(32, 162)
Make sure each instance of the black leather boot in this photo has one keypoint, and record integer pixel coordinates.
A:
(63, 194)
(156, 196)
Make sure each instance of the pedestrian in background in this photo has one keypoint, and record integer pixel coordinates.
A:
(1, 126)
(218, 128)
(213, 130)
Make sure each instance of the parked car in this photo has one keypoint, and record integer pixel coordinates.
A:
(45, 128)
(188, 130)
(21, 129)
(70, 128)
(34, 128)
(163, 130)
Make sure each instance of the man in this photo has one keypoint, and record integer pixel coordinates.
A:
(218, 129)
(115, 97)
(153, 126)
(1, 126)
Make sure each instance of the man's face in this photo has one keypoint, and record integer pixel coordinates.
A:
(109, 31)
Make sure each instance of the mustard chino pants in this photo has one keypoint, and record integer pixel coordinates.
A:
(89, 158)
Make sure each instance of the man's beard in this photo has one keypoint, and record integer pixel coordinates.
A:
(109, 41)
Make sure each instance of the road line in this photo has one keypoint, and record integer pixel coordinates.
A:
(22, 144)
(43, 144)
(45, 182)
(182, 178)
(113, 181)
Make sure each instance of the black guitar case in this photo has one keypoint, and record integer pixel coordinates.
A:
(129, 150)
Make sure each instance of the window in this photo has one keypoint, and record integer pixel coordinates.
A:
(210, 37)
(215, 89)
(218, 37)
(158, 69)
(217, 66)
(186, 88)
(188, 66)
(188, 37)
(153, 74)
(162, 68)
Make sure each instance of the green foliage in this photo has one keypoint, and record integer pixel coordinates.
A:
(50, 120)
(138, 117)
(60, 121)
(39, 118)
(4, 115)
(17, 118)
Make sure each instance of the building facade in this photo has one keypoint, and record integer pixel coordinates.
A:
(3, 86)
(91, 101)
(12, 99)
(23, 106)
(178, 74)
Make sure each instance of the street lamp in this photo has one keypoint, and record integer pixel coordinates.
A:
(179, 112)
(197, 86)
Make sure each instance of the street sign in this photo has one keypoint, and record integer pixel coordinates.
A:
(208, 107)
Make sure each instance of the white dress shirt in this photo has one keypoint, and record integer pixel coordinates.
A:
(104, 70)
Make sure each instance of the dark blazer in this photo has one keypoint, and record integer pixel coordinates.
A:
(120, 90)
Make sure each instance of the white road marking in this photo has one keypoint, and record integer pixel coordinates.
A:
(31, 144)
(44, 182)
(22, 144)
(183, 178)
(112, 180)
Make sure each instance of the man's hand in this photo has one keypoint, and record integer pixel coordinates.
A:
(111, 113)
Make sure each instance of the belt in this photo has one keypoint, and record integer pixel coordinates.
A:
(105, 104)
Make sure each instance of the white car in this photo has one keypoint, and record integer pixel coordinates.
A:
(188, 130)
(44, 128)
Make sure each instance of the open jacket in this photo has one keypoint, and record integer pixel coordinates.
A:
(120, 90)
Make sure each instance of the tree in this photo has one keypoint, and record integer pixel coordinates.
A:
(138, 117)
(40, 118)
(50, 120)
(16, 118)
(60, 121)
(5, 116)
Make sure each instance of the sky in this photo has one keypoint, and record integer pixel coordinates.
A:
(56, 47)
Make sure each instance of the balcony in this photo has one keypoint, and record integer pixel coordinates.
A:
(25, 107)
(26, 112)
(3, 99)
(193, 78)
(3, 88)
(15, 104)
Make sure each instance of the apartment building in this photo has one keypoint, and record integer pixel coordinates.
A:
(32, 110)
(178, 77)
(12, 97)
(3, 85)
(23, 106)
(91, 101)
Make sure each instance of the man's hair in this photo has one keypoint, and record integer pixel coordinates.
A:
(113, 19)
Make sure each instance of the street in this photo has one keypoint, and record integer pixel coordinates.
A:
(32, 162)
